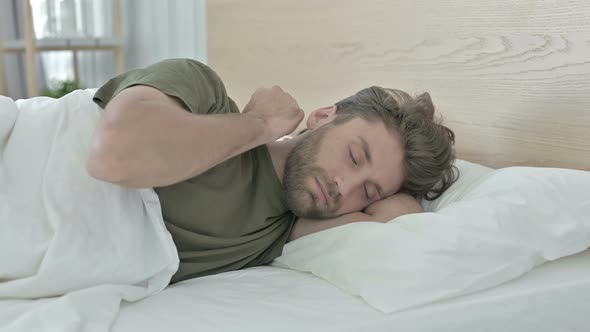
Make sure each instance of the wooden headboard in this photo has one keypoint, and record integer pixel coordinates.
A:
(511, 78)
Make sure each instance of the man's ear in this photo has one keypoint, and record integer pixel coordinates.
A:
(321, 116)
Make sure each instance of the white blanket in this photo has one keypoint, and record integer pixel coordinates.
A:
(71, 247)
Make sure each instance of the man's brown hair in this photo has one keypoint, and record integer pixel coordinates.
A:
(428, 145)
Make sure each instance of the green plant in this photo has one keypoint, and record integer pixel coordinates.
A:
(58, 89)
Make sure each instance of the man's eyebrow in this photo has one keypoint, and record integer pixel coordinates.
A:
(366, 149)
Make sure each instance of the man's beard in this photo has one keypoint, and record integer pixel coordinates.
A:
(300, 167)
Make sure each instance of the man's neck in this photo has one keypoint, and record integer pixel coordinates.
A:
(279, 151)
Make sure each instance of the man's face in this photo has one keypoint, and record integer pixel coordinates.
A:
(342, 168)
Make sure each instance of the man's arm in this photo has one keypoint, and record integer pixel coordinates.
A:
(382, 211)
(146, 139)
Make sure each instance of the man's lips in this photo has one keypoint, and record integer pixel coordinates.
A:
(321, 191)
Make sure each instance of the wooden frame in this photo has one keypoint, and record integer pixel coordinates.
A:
(510, 78)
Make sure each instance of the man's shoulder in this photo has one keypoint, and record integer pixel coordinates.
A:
(185, 66)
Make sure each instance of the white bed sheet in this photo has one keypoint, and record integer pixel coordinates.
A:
(552, 297)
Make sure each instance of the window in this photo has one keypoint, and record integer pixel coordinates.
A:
(71, 19)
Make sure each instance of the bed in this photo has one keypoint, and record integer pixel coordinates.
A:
(337, 296)
(512, 80)
(553, 297)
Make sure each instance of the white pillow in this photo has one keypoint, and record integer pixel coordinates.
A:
(490, 227)
(470, 175)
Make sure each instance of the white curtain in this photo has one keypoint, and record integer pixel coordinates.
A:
(165, 29)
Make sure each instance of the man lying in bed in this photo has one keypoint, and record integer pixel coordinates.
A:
(232, 194)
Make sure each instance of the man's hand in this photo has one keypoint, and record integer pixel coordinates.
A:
(381, 211)
(278, 111)
(393, 207)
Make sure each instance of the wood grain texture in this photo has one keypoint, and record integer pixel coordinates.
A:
(511, 79)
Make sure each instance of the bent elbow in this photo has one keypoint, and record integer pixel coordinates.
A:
(110, 150)
(103, 164)
(104, 170)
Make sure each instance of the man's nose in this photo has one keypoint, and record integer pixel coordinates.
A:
(347, 184)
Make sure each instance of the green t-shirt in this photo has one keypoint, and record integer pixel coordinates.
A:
(234, 215)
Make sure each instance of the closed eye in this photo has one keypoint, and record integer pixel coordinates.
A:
(376, 193)
(352, 157)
